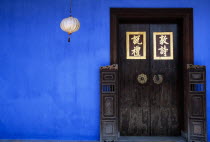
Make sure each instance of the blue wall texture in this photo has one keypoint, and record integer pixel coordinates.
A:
(49, 88)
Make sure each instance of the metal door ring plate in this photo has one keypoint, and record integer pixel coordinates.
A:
(158, 79)
(142, 78)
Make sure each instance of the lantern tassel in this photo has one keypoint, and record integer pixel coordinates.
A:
(69, 39)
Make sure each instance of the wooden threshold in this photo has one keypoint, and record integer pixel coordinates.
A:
(151, 139)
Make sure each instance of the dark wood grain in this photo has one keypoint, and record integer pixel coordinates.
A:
(165, 97)
(134, 105)
(148, 109)
(181, 16)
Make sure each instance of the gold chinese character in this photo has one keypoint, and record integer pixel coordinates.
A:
(163, 39)
(136, 39)
(136, 51)
(163, 50)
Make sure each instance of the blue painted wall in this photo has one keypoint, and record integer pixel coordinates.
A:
(49, 89)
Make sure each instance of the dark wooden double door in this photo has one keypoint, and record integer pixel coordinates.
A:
(149, 109)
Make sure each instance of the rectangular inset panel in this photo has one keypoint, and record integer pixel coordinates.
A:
(108, 77)
(108, 106)
(163, 45)
(108, 88)
(135, 45)
(197, 87)
(197, 128)
(196, 76)
(108, 128)
(197, 106)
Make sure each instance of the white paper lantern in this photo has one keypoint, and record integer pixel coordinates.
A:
(70, 25)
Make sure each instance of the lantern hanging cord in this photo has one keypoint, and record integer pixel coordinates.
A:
(70, 6)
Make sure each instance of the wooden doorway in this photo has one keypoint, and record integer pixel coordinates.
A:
(153, 107)
(138, 100)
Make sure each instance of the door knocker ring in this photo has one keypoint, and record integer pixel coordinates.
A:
(142, 78)
(158, 79)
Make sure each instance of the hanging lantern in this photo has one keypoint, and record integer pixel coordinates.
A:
(70, 24)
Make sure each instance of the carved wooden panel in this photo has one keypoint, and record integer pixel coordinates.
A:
(197, 103)
(109, 128)
(197, 128)
(108, 97)
(197, 106)
(196, 76)
(108, 77)
(108, 106)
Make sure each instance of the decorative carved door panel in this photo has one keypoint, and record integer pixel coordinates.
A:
(149, 88)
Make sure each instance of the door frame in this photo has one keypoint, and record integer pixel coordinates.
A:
(181, 16)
